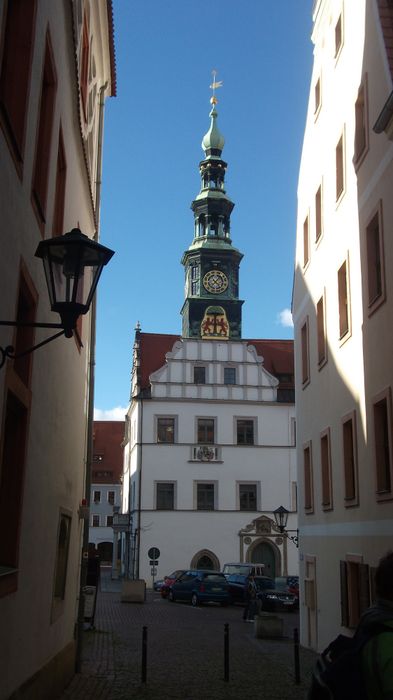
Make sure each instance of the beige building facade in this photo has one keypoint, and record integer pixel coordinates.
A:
(342, 310)
(56, 69)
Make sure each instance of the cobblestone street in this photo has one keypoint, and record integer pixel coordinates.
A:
(185, 657)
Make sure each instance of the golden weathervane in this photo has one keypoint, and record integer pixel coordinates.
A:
(215, 84)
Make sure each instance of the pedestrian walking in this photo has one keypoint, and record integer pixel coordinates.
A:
(250, 594)
(361, 666)
(377, 657)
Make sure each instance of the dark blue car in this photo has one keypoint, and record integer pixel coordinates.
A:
(200, 586)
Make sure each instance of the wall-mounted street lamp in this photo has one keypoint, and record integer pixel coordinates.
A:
(281, 519)
(73, 264)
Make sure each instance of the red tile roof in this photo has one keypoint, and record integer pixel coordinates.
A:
(107, 451)
(277, 354)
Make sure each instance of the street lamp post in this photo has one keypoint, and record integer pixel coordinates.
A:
(73, 264)
(281, 519)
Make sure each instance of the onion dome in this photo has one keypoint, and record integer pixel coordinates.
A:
(213, 141)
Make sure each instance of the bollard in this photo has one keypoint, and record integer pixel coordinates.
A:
(144, 653)
(296, 655)
(226, 652)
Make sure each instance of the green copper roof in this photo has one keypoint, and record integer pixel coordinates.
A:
(213, 138)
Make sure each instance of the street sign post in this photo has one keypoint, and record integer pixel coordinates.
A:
(153, 554)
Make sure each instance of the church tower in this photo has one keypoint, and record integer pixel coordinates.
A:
(212, 308)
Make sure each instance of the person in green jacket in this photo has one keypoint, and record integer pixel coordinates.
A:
(377, 655)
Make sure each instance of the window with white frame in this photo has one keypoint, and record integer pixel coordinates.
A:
(165, 495)
(248, 497)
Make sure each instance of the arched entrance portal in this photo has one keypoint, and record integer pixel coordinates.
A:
(205, 560)
(105, 551)
(266, 553)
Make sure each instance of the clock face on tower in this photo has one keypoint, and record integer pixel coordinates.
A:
(215, 281)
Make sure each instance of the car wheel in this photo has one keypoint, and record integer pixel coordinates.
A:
(171, 597)
(194, 600)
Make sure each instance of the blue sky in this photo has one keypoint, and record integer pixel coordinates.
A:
(165, 53)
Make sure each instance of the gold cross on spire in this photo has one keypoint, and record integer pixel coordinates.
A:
(215, 84)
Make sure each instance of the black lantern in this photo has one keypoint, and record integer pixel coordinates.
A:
(281, 517)
(73, 264)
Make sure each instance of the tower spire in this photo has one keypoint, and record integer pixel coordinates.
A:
(212, 309)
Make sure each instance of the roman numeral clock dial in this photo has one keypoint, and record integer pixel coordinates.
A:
(215, 282)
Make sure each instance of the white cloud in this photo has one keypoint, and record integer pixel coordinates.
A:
(117, 413)
(284, 318)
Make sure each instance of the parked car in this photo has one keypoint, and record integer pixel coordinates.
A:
(169, 580)
(158, 584)
(272, 597)
(237, 576)
(288, 583)
(200, 586)
(237, 584)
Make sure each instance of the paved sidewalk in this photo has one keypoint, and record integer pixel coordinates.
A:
(185, 657)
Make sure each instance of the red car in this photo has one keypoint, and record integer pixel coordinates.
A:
(168, 580)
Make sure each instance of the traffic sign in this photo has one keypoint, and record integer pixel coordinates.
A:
(153, 562)
(154, 553)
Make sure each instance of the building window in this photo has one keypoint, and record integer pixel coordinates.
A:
(383, 444)
(229, 375)
(350, 460)
(375, 261)
(343, 300)
(308, 479)
(97, 496)
(318, 213)
(205, 430)
(165, 496)
(24, 335)
(338, 36)
(245, 431)
(340, 168)
(317, 96)
(199, 375)
(321, 330)
(194, 280)
(44, 138)
(306, 248)
(305, 353)
(361, 125)
(205, 496)
(166, 430)
(61, 171)
(355, 590)
(247, 496)
(111, 498)
(16, 62)
(11, 487)
(63, 543)
(95, 521)
(326, 472)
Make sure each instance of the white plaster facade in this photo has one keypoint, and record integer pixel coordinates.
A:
(45, 398)
(225, 533)
(105, 500)
(343, 366)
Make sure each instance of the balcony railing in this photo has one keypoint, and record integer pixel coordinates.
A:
(205, 453)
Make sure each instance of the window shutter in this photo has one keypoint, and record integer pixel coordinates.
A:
(344, 594)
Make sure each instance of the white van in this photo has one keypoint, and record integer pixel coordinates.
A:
(244, 569)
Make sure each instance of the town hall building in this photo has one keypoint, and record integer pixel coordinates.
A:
(210, 431)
